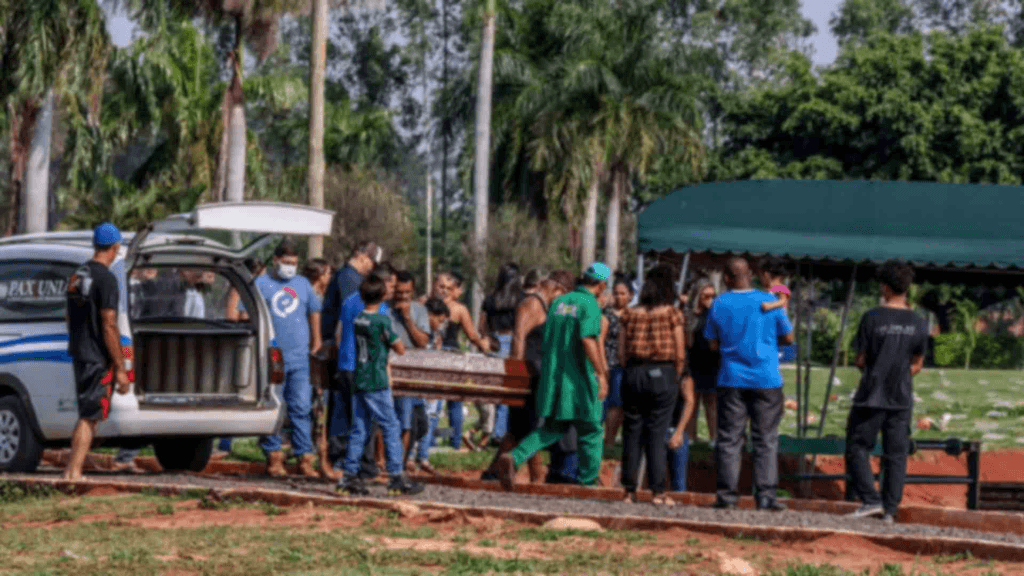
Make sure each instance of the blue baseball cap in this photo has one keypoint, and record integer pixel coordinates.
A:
(105, 235)
(598, 271)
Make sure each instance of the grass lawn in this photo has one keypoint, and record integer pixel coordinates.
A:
(986, 405)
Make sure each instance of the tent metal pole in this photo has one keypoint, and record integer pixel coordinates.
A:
(810, 347)
(683, 270)
(838, 349)
(799, 352)
(640, 270)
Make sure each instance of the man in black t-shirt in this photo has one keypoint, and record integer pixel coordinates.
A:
(891, 344)
(94, 341)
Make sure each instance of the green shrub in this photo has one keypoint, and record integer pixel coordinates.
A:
(991, 351)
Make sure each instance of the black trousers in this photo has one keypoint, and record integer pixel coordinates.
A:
(649, 394)
(862, 428)
(763, 408)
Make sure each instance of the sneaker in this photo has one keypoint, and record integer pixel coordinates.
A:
(352, 487)
(868, 511)
(888, 518)
(400, 486)
(723, 505)
(771, 505)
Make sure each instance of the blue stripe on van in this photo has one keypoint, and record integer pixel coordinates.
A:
(33, 339)
(39, 356)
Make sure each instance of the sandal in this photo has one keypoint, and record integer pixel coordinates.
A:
(630, 498)
(662, 500)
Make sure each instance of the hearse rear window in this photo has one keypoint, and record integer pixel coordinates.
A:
(33, 290)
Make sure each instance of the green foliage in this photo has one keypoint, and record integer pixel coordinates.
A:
(967, 314)
(988, 351)
(912, 107)
(12, 492)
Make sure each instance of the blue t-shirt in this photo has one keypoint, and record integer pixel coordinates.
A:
(290, 302)
(350, 309)
(748, 339)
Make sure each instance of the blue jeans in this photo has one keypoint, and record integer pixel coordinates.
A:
(427, 442)
(403, 410)
(378, 407)
(455, 423)
(298, 395)
(678, 462)
(614, 399)
(501, 410)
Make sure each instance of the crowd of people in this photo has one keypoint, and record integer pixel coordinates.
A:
(601, 358)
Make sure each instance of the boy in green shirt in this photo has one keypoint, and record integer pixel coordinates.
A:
(371, 400)
(574, 380)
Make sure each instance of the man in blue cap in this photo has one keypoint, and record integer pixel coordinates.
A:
(94, 341)
(574, 380)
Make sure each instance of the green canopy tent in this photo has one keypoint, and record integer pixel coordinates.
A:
(843, 229)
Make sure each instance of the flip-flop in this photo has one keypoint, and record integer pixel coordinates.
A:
(662, 500)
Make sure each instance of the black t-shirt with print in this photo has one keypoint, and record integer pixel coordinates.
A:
(889, 338)
(92, 288)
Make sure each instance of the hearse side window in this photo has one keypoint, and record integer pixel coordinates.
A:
(179, 293)
(34, 290)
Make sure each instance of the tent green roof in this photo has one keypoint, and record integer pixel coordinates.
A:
(929, 224)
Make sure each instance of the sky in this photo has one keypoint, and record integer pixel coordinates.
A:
(818, 11)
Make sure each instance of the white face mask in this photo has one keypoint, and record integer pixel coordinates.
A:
(287, 271)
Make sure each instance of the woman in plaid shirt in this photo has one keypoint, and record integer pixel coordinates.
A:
(653, 351)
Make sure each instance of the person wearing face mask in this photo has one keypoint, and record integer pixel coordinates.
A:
(295, 313)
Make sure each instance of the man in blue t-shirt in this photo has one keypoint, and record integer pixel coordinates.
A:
(295, 313)
(749, 384)
(341, 406)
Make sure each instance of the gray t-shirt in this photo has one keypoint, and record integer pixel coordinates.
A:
(419, 318)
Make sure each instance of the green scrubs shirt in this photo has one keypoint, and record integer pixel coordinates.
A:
(568, 386)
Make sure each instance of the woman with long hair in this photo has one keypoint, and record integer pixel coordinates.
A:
(704, 361)
(611, 322)
(652, 346)
(498, 319)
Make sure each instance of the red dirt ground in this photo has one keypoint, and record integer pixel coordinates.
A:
(710, 553)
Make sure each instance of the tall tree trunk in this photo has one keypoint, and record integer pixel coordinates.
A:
(37, 171)
(317, 67)
(235, 186)
(445, 128)
(430, 229)
(482, 165)
(22, 117)
(590, 219)
(612, 232)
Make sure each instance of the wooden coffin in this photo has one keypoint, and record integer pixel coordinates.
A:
(456, 376)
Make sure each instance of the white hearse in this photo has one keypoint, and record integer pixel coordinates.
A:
(201, 337)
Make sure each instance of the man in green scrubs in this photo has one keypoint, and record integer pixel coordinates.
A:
(574, 380)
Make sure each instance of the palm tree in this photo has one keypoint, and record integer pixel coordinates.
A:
(482, 145)
(632, 100)
(255, 24)
(57, 45)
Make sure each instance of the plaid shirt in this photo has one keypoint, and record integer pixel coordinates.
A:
(648, 333)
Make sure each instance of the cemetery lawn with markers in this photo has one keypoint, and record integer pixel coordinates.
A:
(986, 405)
